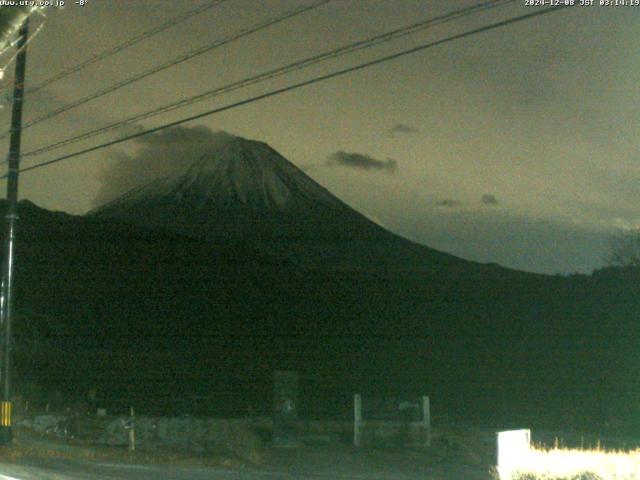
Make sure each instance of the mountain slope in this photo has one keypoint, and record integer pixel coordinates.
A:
(244, 190)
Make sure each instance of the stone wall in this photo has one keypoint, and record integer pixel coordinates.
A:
(189, 434)
(243, 437)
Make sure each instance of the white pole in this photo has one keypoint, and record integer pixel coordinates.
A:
(426, 418)
(357, 419)
(132, 432)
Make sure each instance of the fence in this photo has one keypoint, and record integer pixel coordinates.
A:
(406, 421)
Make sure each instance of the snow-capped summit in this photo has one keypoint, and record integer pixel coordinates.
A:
(236, 173)
(243, 190)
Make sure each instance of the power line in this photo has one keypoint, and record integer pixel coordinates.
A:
(129, 43)
(299, 85)
(172, 63)
(298, 65)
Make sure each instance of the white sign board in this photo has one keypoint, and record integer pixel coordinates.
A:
(513, 446)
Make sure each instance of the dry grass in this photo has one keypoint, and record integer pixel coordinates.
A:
(542, 463)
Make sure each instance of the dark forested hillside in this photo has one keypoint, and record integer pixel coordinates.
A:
(146, 316)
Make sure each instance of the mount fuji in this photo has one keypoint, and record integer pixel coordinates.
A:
(209, 280)
(245, 191)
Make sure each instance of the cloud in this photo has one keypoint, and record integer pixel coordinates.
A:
(448, 203)
(361, 161)
(507, 238)
(403, 128)
(488, 199)
(158, 155)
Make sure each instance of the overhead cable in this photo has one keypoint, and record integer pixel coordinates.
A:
(298, 85)
(298, 65)
(171, 63)
(127, 44)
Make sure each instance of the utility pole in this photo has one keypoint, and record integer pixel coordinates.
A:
(6, 295)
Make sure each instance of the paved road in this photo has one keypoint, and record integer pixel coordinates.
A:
(320, 462)
(67, 470)
(76, 471)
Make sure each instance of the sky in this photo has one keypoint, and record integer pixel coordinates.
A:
(517, 146)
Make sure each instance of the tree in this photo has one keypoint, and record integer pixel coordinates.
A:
(624, 249)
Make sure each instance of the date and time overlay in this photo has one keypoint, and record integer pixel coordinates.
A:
(582, 3)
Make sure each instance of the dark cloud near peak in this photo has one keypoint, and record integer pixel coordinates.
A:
(488, 199)
(361, 161)
(448, 203)
(167, 152)
(403, 128)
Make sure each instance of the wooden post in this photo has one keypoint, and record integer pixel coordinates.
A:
(132, 432)
(357, 419)
(426, 418)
